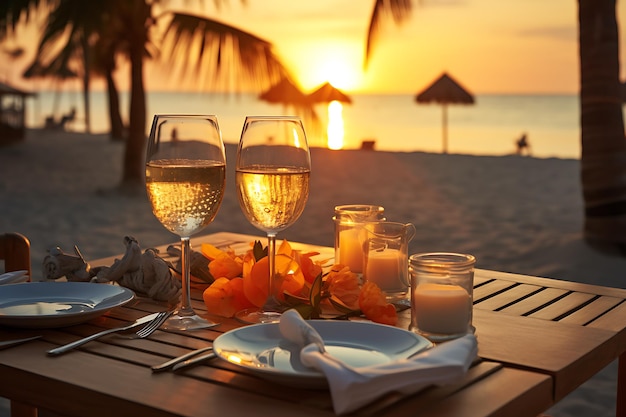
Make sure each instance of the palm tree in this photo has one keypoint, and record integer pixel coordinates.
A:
(603, 157)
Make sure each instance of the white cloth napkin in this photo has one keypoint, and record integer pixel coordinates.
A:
(14, 277)
(352, 388)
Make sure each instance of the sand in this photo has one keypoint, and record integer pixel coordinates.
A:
(515, 214)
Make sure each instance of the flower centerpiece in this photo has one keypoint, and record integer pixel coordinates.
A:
(310, 286)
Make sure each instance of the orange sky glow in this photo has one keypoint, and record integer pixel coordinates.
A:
(516, 46)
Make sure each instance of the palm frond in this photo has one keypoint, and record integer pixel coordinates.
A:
(398, 10)
(14, 12)
(219, 54)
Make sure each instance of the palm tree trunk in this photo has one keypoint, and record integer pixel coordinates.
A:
(115, 117)
(133, 172)
(603, 159)
(138, 12)
(86, 82)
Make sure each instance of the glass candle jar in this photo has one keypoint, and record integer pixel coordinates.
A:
(441, 294)
(350, 236)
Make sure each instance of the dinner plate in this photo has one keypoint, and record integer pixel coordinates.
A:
(261, 349)
(58, 304)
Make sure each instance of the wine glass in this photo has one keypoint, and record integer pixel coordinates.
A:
(185, 180)
(272, 172)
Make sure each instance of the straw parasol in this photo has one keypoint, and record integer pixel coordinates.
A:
(445, 90)
(327, 93)
(285, 92)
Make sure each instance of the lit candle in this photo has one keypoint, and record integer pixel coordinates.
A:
(384, 269)
(442, 309)
(351, 249)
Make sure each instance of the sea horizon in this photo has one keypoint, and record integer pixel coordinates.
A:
(393, 121)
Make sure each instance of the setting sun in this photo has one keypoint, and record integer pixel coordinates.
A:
(340, 73)
(329, 60)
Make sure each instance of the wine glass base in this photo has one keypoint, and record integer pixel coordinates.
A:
(252, 316)
(193, 322)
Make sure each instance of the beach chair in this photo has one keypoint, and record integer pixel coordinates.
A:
(63, 122)
(368, 145)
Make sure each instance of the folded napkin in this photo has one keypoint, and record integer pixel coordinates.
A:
(352, 388)
(14, 277)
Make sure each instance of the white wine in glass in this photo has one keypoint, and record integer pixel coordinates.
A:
(272, 173)
(185, 180)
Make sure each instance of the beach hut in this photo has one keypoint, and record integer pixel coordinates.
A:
(445, 90)
(12, 113)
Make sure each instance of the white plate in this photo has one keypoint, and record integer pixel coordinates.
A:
(260, 348)
(57, 304)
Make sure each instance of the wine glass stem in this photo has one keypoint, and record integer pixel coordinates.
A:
(185, 308)
(272, 300)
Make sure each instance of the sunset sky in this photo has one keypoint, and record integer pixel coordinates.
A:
(490, 46)
(513, 46)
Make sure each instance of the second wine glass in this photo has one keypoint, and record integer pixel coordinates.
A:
(272, 174)
(185, 179)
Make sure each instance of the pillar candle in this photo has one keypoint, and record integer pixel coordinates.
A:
(442, 309)
(351, 249)
(383, 268)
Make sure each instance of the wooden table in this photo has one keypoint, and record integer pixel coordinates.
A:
(538, 338)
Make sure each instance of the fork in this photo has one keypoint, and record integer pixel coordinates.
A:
(143, 332)
(152, 326)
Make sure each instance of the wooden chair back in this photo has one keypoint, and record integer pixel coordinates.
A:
(15, 251)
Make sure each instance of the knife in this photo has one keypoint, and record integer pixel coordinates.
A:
(80, 342)
(8, 343)
(180, 359)
(193, 361)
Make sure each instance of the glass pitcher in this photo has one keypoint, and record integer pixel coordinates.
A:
(387, 257)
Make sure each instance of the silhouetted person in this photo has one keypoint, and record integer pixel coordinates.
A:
(523, 145)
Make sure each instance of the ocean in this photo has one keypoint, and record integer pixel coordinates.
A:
(395, 122)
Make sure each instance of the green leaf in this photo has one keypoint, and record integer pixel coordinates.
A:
(305, 310)
(315, 295)
(339, 305)
(293, 299)
(258, 251)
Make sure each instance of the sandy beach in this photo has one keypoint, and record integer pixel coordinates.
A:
(515, 214)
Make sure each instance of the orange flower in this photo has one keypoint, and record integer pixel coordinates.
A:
(374, 305)
(226, 265)
(225, 297)
(310, 269)
(256, 282)
(343, 284)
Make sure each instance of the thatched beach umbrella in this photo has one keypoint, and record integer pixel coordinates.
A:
(285, 92)
(445, 90)
(326, 93)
